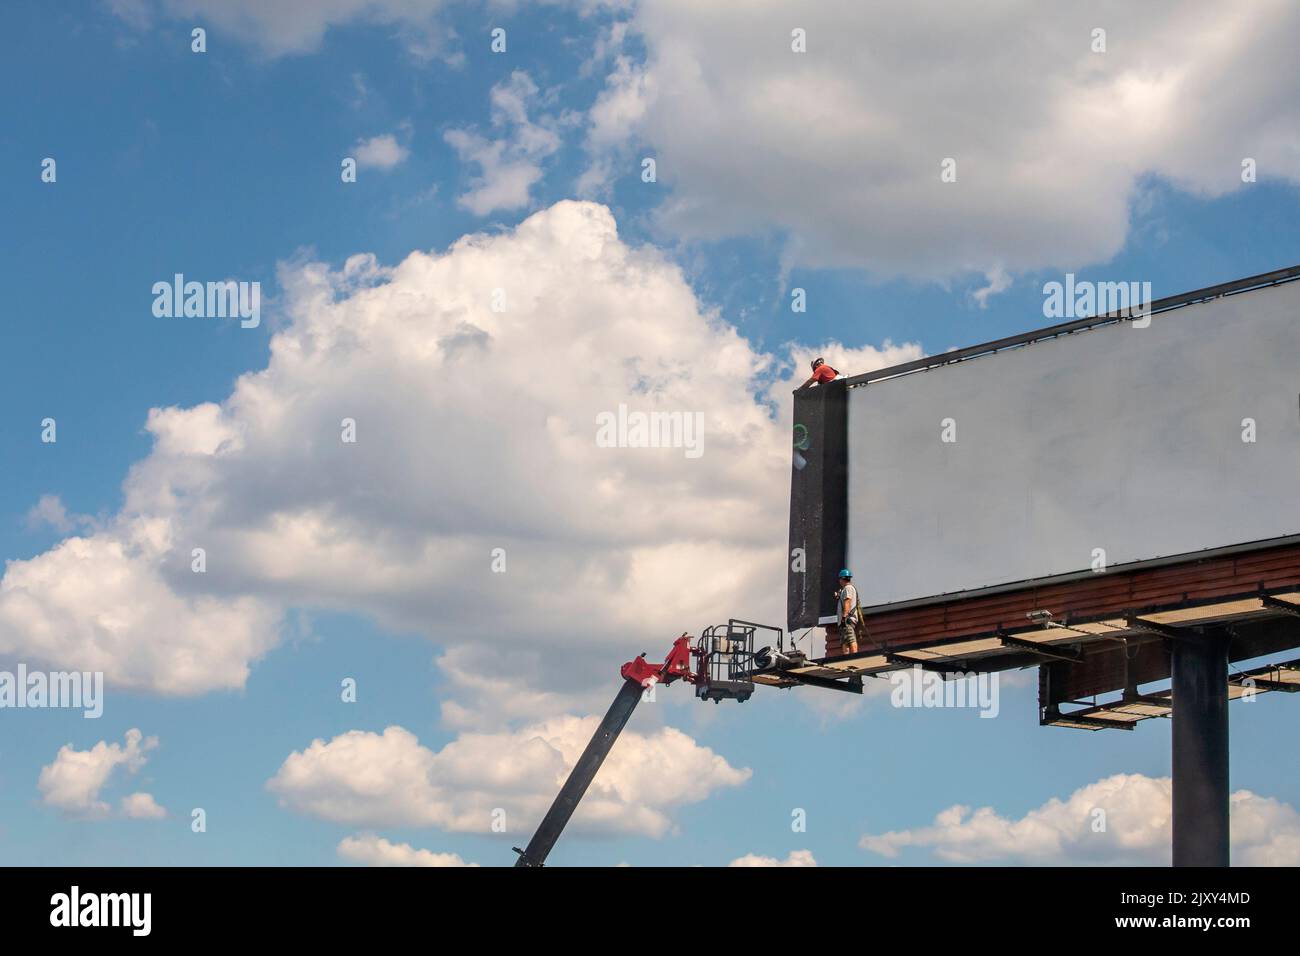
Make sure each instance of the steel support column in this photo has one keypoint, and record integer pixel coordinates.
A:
(1200, 748)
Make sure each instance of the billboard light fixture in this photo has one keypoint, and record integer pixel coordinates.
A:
(1043, 618)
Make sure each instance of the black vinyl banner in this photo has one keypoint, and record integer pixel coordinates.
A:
(818, 502)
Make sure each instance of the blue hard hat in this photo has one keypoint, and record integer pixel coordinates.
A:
(845, 573)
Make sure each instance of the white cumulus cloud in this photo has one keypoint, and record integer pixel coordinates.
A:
(50, 511)
(380, 152)
(1124, 819)
(795, 858)
(839, 149)
(371, 850)
(72, 783)
(141, 806)
(102, 603)
(508, 167)
(476, 378)
(366, 779)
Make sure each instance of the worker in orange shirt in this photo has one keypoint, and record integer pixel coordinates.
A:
(821, 374)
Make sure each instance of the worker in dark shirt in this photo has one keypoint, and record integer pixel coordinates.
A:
(821, 374)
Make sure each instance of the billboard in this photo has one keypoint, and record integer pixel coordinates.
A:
(1096, 445)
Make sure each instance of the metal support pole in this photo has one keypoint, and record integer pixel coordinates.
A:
(1200, 748)
(552, 825)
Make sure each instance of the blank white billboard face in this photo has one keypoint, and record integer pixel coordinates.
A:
(1117, 444)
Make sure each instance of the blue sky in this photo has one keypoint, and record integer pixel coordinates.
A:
(227, 164)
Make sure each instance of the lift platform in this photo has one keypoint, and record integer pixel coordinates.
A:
(724, 658)
(727, 659)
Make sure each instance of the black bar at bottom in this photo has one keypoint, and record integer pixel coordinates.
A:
(328, 906)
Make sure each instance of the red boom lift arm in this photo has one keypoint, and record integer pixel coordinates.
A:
(638, 675)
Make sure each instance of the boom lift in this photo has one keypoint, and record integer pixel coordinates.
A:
(725, 659)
